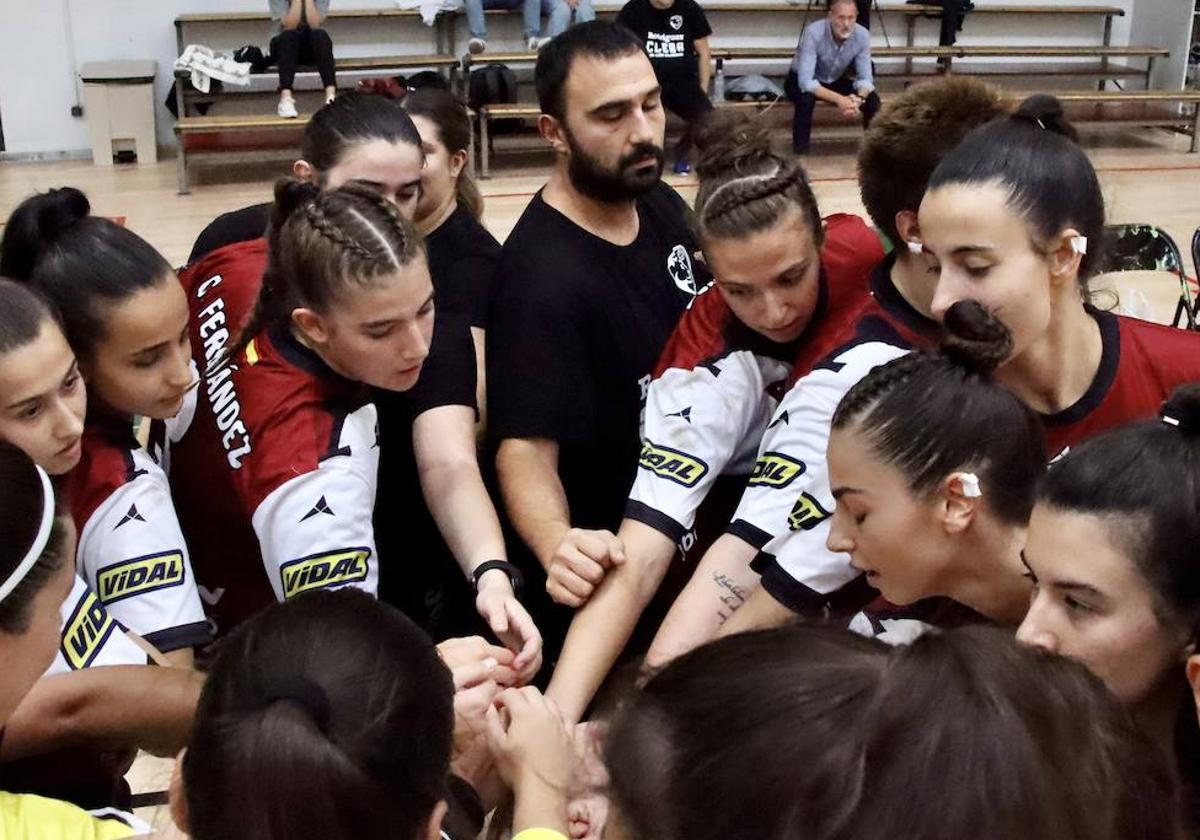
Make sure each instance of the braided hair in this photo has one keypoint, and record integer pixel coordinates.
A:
(745, 187)
(321, 242)
(930, 414)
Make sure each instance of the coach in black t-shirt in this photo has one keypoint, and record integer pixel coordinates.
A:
(589, 286)
(675, 33)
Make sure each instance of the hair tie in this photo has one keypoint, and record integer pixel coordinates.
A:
(305, 693)
(1041, 124)
(39, 541)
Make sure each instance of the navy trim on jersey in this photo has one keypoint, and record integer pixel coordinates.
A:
(665, 525)
(184, 636)
(1106, 374)
(888, 296)
(844, 601)
(749, 534)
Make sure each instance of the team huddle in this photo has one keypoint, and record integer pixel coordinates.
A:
(893, 529)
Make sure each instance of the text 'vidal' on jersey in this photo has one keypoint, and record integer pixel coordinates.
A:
(718, 383)
(90, 636)
(131, 550)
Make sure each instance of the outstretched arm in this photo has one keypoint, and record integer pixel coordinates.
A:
(601, 629)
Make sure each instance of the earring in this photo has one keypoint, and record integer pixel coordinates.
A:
(914, 247)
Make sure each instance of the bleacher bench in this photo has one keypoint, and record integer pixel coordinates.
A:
(912, 13)
(245, 138)
(1084, 108)
(384, 65)
(441, 43)
(1104, 70)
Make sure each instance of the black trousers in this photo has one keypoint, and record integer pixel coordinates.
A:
(302, 45)
(684, 98)
(806, 103)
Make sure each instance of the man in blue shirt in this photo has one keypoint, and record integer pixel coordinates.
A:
(833, 64)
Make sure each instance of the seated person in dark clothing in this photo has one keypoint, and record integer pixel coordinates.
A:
(832, 64)
(299, 39)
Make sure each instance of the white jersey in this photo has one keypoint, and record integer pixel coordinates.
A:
(131, 551)
(785, 510)
(718, 383)
(90, 636)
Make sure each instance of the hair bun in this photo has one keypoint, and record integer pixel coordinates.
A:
(1046, 112)
(975, 338)
(1182, 409)
(35, 225)
(58, 210)
(290, 195)
(728, 141)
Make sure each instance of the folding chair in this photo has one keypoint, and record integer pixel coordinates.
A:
(1147, 247)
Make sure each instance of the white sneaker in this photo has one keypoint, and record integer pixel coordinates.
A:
(330, 98)
(287, 109)
(536, 43)
(476, 45)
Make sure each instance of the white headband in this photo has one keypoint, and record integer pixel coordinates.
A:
(39, 542)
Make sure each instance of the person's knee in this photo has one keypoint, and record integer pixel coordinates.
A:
(320, 38)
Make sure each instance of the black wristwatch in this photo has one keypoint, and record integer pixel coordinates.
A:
(514, 574)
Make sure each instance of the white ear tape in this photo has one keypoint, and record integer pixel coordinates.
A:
(1079, 244)
(915, 247)
(970, 484)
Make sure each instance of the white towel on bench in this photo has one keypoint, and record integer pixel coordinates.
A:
(206, 65)
(430, 9)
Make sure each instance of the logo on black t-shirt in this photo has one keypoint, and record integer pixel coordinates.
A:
(679, 266)
(677, 21)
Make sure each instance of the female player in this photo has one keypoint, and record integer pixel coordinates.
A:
(327, 716)
(429, 464)
(125, 318)
(371, 140)
(786, 282)
(357, 137)
(926, 504)
(36, 574)
(1111, 554)
(905, 144)
(1014, 219)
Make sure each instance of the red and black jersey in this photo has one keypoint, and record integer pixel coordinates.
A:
(131, 551)
(1140, 365)
(718, 382)
(274, 474)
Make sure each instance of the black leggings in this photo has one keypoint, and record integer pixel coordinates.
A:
(302, 45)
(684, 98)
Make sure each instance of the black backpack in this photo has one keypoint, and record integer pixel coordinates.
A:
(494, 84)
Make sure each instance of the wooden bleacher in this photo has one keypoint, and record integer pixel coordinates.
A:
(1112, 109)
(251, 135)
(408, 16)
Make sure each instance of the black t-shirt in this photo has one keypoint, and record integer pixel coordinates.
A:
(234, 226)
(462, 260)
(576, 327)
(427, 583)
(670, 34)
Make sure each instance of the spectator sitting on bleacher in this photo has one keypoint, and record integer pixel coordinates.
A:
(299, 39)
(675, 34)
(833, 64)
(560, 14)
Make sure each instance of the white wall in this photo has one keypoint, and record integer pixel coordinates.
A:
(37, 79)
